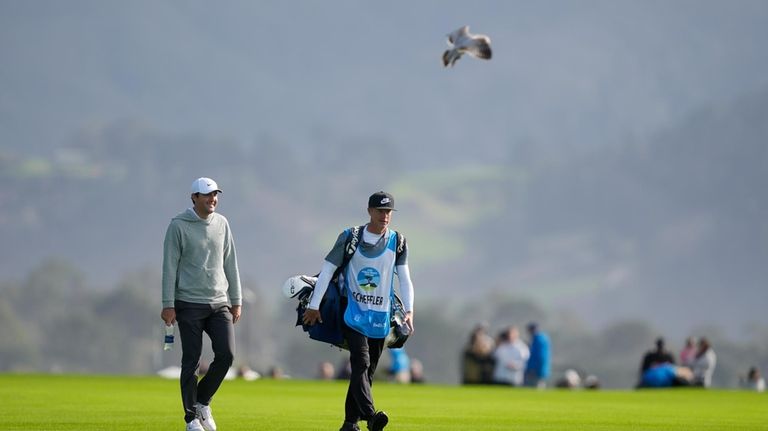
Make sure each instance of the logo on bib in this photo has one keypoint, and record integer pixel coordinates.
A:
(368, 279)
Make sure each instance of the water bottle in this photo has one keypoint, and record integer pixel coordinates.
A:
(168, 345)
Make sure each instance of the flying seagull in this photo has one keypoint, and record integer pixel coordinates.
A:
(462, 41)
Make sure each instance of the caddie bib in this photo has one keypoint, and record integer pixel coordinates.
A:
(369, 280)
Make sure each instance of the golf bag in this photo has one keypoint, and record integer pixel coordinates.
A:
(332, 314)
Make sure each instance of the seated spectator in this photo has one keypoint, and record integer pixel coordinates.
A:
(400, 366)
(477, 362)
(570, 380)
(704, 364)
(688, 354)
(510, 357)
(658, 356)
(591, 382)
(344, 370)
(325, 371)
(246, 373)
(665, 375)
(276, 372)
(754, 380)
(417, 371)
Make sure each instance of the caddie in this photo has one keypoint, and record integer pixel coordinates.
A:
(368, 280)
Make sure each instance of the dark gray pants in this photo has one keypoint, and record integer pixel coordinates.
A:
(193, 320)
(364, 354)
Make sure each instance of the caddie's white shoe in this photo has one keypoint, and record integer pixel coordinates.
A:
(194, 426)
(205, 417)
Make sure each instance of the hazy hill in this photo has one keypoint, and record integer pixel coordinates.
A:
(637, 231)
(609, 160)
(672, 229)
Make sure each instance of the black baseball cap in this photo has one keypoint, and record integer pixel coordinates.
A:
(381, 200)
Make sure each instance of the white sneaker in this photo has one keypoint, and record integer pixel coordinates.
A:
(206, 418)
(195, 426)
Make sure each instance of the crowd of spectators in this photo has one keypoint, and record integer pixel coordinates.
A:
(696, 365)
(507, 359)
(401, 369)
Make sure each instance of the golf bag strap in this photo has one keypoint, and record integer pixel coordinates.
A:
(353, 241)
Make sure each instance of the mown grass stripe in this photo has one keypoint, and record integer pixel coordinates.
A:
(74, 402)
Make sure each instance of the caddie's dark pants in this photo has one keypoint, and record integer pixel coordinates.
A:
(364, 354)
(193, 320)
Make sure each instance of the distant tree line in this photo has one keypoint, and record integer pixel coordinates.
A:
(54, 320)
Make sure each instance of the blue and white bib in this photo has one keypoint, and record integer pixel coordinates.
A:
(369, 280)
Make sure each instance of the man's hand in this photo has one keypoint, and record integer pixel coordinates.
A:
(409, 321)
(236, 310)
(168, 315)
(311, 317)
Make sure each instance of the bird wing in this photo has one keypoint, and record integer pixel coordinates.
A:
(479, 46)
(457, 34)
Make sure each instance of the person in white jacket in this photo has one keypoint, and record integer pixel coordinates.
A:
(704, 364)
(510, 357)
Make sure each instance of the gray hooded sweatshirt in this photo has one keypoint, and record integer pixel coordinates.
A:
(199, 261)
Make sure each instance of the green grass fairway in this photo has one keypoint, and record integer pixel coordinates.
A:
(66, 402)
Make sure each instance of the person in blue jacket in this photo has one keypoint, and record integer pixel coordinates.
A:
(537, 369)
(665, 375)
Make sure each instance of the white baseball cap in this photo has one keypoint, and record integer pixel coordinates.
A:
(204, 186)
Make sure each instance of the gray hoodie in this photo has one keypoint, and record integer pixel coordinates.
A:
(199, 261)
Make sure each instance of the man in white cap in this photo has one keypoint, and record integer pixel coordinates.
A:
(201, 292)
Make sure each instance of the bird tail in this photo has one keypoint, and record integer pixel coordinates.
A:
(446, 57)
(450, 57)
